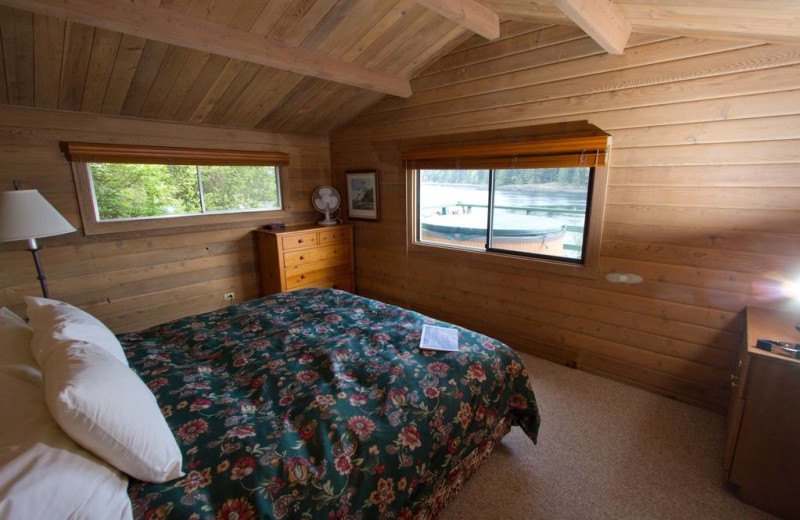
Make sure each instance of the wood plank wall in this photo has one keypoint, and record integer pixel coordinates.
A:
(703, 199)
(135, 280)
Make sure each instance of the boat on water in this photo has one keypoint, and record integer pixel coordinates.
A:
(512, 231)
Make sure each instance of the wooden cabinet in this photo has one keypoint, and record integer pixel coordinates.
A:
(306, 256)
(762, 453)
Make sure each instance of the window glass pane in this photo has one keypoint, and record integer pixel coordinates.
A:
(131, 191)
(124, 191)
(540, 211)
(238, 188)
(453, 207)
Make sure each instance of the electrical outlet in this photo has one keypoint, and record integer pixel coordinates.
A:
(229, 296)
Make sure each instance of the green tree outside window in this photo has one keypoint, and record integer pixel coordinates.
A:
(130, 191)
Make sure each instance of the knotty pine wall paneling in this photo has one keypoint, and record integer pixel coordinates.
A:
(135, 280)
(703, 198)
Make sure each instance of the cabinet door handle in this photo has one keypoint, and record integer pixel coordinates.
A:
(734, 380)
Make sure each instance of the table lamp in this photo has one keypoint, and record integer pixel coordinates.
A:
(26, 215)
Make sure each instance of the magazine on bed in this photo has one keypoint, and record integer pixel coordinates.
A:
(439, 338)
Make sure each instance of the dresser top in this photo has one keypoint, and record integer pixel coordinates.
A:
(771, 324)
(301, 228)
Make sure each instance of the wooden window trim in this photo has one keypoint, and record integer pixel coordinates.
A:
(561, 154)
(81, 154)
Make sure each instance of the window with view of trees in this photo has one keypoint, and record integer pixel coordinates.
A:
(129, 191)
(128, 187)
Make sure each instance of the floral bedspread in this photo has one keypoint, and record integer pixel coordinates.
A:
(319, 404)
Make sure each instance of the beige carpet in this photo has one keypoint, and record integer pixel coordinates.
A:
(606, 450)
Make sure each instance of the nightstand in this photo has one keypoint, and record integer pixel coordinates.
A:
(762, 453)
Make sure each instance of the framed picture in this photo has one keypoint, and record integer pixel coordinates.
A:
(362, 195)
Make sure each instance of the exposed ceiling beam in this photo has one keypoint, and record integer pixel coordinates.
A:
(469, 14)
(179, 29)
(774, 22)
(601, 20)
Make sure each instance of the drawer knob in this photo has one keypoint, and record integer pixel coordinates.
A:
(302, 277)
(300, 241)
(302, 258)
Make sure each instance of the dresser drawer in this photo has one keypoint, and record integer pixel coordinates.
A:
(317, 276)
(333, 235)
(299, 241)
(296, 259)
(344, 283)
(327, 263)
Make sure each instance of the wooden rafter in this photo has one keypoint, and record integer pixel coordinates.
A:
(601, 20)
(773, 21)
(469, 14)
(186, 31)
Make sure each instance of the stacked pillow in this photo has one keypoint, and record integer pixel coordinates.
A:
(43, 472)
(94, 397)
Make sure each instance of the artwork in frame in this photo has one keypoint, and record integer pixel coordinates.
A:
(362, 195)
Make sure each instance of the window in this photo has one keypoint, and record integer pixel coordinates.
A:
(539, 201)
(131, 188)
(536, 212)
(128, 191)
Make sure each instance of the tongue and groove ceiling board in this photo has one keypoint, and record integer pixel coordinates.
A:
(50, 62)
(57, 63)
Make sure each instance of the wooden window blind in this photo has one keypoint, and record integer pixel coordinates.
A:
(111, 153)
(541, 153)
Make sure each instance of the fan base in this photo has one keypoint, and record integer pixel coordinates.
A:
(327, 222)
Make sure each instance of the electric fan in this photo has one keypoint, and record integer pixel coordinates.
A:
(326, 200)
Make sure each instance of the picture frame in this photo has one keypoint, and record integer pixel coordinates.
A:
(363, 195)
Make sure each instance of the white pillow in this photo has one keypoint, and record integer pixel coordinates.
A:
(15, 348)
(107, 409)
(55, 321)
(43, 473)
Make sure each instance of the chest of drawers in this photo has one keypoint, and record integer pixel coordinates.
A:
(306, 256)
(762, 456)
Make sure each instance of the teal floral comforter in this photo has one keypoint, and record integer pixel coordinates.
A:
(319, 404)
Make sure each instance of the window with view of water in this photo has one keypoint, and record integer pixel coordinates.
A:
(540, 212)
(124, 191)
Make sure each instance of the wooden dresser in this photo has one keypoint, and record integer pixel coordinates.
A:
(306, 256)
(762, 453)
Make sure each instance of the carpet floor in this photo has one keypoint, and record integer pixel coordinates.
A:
(606, 451)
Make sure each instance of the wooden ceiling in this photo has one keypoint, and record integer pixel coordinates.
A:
(52, 63)
(299, 66)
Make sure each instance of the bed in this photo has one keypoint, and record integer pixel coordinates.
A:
(319, 404)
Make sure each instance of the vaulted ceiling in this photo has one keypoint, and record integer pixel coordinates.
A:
(300, 66)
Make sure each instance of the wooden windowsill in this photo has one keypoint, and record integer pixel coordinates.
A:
(457, 254)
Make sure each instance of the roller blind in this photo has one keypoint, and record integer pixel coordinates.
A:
(540, 153)
(110, 153)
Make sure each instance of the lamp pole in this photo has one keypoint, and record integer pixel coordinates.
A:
(33, 247)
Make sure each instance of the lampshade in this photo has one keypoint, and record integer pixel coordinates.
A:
(25, 214)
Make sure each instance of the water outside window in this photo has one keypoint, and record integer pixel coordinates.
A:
(537, 211)
(453, 207)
